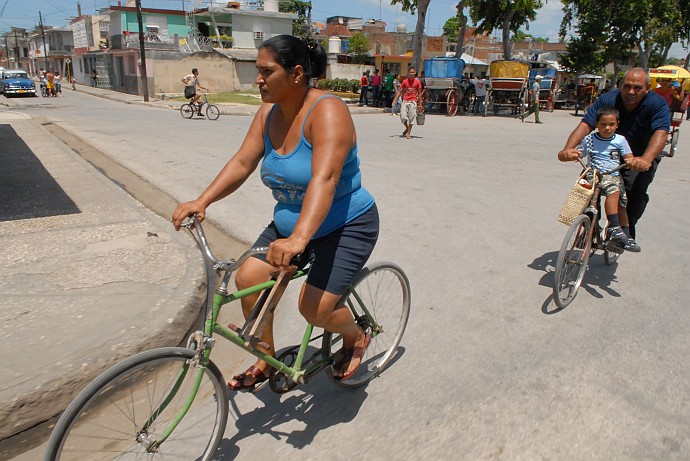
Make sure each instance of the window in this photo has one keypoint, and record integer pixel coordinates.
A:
(258, 35)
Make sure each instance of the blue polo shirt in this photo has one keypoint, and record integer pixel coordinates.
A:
(637, 126)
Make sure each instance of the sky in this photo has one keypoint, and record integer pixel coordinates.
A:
(25, 13)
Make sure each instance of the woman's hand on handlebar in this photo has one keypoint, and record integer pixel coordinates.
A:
(569, 155)
(187, 209)
(281, 251)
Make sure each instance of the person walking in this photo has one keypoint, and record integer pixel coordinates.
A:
(411, 90)
(534, 106)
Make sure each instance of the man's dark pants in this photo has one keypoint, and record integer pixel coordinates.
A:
(636, 184)
(363, 96)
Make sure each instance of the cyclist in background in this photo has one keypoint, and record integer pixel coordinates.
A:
(191, 81)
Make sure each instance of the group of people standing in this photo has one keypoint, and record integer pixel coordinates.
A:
(381, 89)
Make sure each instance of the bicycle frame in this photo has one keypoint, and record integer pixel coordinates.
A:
(204, 340)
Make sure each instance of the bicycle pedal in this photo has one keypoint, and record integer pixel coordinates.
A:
(237, 329)
(258, 387)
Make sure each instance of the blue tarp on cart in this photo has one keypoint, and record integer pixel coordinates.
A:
(444, 68)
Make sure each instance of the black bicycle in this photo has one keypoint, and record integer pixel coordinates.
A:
(188, 110)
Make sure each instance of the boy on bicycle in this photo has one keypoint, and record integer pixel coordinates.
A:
(191, 81)
(604, 150)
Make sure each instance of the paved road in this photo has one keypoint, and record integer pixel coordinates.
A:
(488, 368)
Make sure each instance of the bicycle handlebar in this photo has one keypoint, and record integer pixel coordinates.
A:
(600, 172)
(230, 265)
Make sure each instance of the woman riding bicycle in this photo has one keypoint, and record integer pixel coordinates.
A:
(306, 143)
(191, 81)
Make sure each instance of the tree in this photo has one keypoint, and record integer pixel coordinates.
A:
(506, 15)
(521, 36)
(358, 44)
(619, 26)
(460, 48)
(420, 8)
(451, 27)
(301, 25)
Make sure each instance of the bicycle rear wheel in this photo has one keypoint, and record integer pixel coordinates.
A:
(380, 301)
(187, 111)
(108, 418)
(212, 112)
(571, 264)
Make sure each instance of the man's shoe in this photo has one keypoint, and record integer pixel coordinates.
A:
(616, 235)
(632, 246)
(538, 122)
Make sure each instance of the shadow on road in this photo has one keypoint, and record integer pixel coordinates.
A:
(27, 188)
(597, 280)
(319, 405)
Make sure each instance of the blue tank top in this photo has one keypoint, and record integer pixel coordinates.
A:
(289, 175)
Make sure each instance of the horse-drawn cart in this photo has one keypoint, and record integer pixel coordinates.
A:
(445, 86)
(508, 86)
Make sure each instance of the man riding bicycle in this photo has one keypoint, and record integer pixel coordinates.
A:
(191, 81)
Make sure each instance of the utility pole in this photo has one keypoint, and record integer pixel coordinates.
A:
(7, 52)
(43, 35)
(16, 49)
(142, 52)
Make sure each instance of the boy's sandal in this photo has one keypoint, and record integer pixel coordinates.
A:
(355, 353)
(253, 373)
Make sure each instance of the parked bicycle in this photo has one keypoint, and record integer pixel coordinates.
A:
(172, 402)
(584, 237)
(189, 109)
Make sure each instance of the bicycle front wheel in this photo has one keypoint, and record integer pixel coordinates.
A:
(379, 299)
(571, 264)
(132, 404)
(212, 112)
(187, 111)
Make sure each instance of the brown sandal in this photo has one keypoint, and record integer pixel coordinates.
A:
(253, 372)
(345, 357)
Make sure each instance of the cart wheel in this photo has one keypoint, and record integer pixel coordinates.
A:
(452, 102)
(426, 94)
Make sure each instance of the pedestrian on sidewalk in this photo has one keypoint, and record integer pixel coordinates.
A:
(364, 88)
(411, 90)
(534, 107)
(388, 90)
(94, 78)
(376, 88)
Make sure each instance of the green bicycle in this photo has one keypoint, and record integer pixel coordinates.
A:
(172, 402)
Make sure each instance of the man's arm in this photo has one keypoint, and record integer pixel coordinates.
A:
(570, 153)
(654, 148)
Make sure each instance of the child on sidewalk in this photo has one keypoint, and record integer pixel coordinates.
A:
(604, 150)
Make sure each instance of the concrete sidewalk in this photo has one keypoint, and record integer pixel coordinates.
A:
(84, 282)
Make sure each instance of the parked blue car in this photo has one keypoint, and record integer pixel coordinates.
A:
(15, 82)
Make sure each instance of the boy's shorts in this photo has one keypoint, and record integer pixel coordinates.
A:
(610, 185)
(408, 112)
(337, 257)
